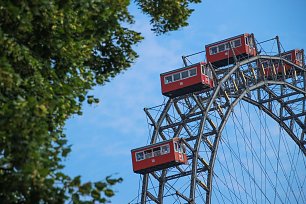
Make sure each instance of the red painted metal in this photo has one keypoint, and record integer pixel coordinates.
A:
(189, 84)
(219, 53)
(173, 156)
(294, 56)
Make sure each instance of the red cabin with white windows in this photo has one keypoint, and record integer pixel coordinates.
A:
(159, 156)
(272, 68)
(186, 80)
(219, 53)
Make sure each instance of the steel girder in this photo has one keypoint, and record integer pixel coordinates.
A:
(200, 117)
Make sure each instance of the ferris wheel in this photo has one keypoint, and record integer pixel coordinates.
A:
(231, 130)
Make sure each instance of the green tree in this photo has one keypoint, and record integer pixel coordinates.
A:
(51, 54)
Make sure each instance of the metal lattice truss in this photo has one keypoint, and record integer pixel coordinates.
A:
(199, 119)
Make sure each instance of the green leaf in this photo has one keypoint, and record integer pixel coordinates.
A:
(52, 54)
(100, 186)
(85, 188)
(109, 192)
(75, 198)
(113, 181)
(76, 181)
(95, 194)
(66, 151)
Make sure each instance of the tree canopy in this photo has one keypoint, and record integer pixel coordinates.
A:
(51, 54)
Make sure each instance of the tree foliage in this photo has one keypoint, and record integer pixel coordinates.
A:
(167, 15)
(51, 54)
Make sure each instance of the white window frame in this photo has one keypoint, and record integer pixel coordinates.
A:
(180, 150)
(180, 73)
(223, 44)
(183, 148)
(166, 80)
(194, 68)
(156, 155)
(168, 148)
(147, 154)
(238, 39)
(206, 71)
(180, 77)
(175, 146)
(298, 56)
(203, 69)
(210, 50)
(226, 47)
(137, 157)
(251, 41)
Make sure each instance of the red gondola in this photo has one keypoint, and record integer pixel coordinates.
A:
(186, 80)
(158, 156)
(219, 53)
(272, 68)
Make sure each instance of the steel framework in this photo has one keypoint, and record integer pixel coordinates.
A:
(199, 119)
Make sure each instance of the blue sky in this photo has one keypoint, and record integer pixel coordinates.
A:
(104, 135)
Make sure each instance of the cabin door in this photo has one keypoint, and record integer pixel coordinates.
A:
(181, 152)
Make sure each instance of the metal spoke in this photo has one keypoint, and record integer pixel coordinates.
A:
(235, 153)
